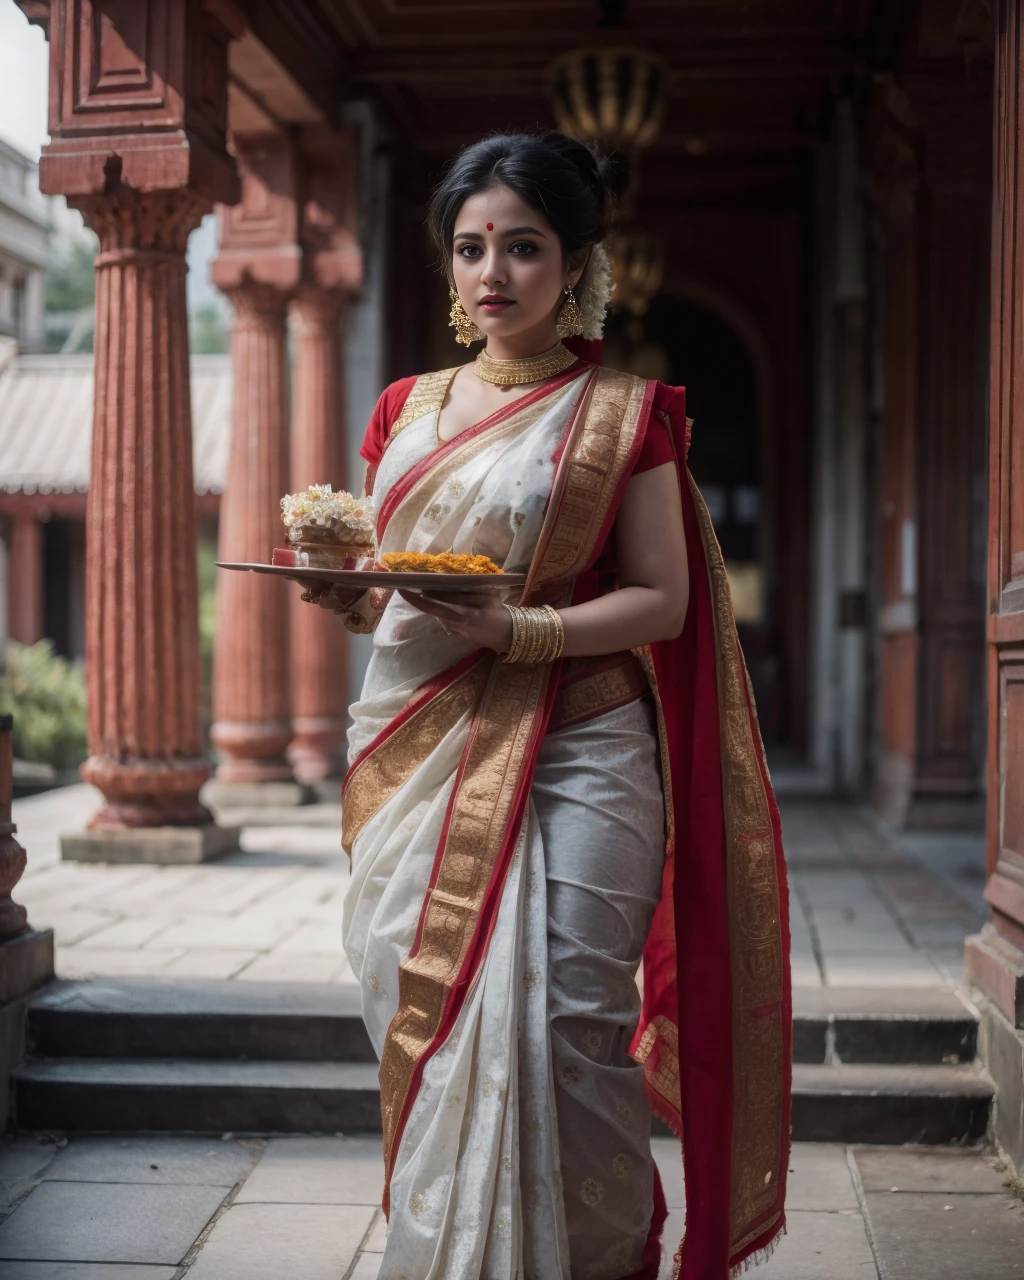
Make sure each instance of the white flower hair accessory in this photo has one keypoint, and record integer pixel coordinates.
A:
(594, 291)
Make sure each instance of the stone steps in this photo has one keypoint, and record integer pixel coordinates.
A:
(189, 1095)
(871, 1104)
(161, 1018)
(165, 1055)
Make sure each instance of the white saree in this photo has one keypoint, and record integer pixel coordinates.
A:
(525, 1151)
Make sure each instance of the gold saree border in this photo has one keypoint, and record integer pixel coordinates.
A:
(590, 687)
(480, 832)
(602, 443)
(432, 711)
(756, 961)
(427, 393)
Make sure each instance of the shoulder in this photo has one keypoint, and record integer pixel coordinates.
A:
(400, 403)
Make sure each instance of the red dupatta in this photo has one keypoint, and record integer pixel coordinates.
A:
(716, 1029)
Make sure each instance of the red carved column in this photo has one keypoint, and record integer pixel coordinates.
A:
(138, 122)
(258, 268)
(332, 270)
(25, 589)
(319, 649)
(251, 702)
(142, 640)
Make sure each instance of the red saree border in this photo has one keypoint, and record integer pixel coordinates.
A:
(429, 689)
(386, 763)
(403, 487)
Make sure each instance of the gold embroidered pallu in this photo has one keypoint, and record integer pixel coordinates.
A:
(715, 1034)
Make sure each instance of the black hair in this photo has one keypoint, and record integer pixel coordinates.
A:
(565, 180)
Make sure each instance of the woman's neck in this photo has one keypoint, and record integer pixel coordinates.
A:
(520, 346)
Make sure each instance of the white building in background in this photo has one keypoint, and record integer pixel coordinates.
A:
(24, 238)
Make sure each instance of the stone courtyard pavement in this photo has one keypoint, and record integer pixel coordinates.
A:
(868, 908)
(159, 1208)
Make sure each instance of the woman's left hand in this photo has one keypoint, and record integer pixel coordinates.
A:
(477, 616)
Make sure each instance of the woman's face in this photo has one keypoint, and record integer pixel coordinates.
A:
(508, 266)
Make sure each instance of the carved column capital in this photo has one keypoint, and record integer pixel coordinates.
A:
(142, 222)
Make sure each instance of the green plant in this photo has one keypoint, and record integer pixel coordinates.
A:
(46, 695)
(207, 575)
(71, 285)
(208, 332)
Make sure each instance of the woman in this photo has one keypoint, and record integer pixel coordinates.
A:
(522, 832)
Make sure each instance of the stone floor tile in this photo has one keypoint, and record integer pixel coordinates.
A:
(210, 964)
(220, 933)
(880, 970)
(940, 1169)
(310, 1170)
(285, 967)
(108, 1222)
(318, 938)
(820, 1178)
(133, 932)
(367, 1267)
(88, 962)
(868, 943)
(268, 1241)
(805, 971)
(378, 1236)
(71, 927)
(23, 1163)
(85, 1271)
(138, 1159)
(822, 1246)
(918, 1237)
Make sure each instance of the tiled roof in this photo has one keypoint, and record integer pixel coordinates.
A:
(46, 423)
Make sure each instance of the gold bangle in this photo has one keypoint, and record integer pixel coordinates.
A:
(538, 635)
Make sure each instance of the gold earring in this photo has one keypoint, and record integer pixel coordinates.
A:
(570, 317)
(466, 332)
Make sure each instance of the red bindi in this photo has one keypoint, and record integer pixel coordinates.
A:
(490, 226)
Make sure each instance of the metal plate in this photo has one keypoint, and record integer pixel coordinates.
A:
(364, 579)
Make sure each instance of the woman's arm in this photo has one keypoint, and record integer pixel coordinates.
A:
(654, 583)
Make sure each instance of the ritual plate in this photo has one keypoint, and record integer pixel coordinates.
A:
(364, 579)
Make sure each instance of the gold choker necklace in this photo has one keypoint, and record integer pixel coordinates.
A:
(510, 373)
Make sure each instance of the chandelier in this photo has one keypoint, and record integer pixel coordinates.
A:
(610, 94)
(638, 266)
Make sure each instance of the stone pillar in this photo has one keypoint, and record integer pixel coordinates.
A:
(319, 649)
(251, 698)
(995, 957)
(332, 271)
(25, 570)
(142, 641)
(258, 268)
(139, 145)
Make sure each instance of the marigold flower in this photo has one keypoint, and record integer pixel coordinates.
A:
(421, 562)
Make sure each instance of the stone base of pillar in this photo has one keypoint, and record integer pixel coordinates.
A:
(995, 968)
(896, 796)
(162, 846)
(26, 962)
(314, 751)
(256, 795)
